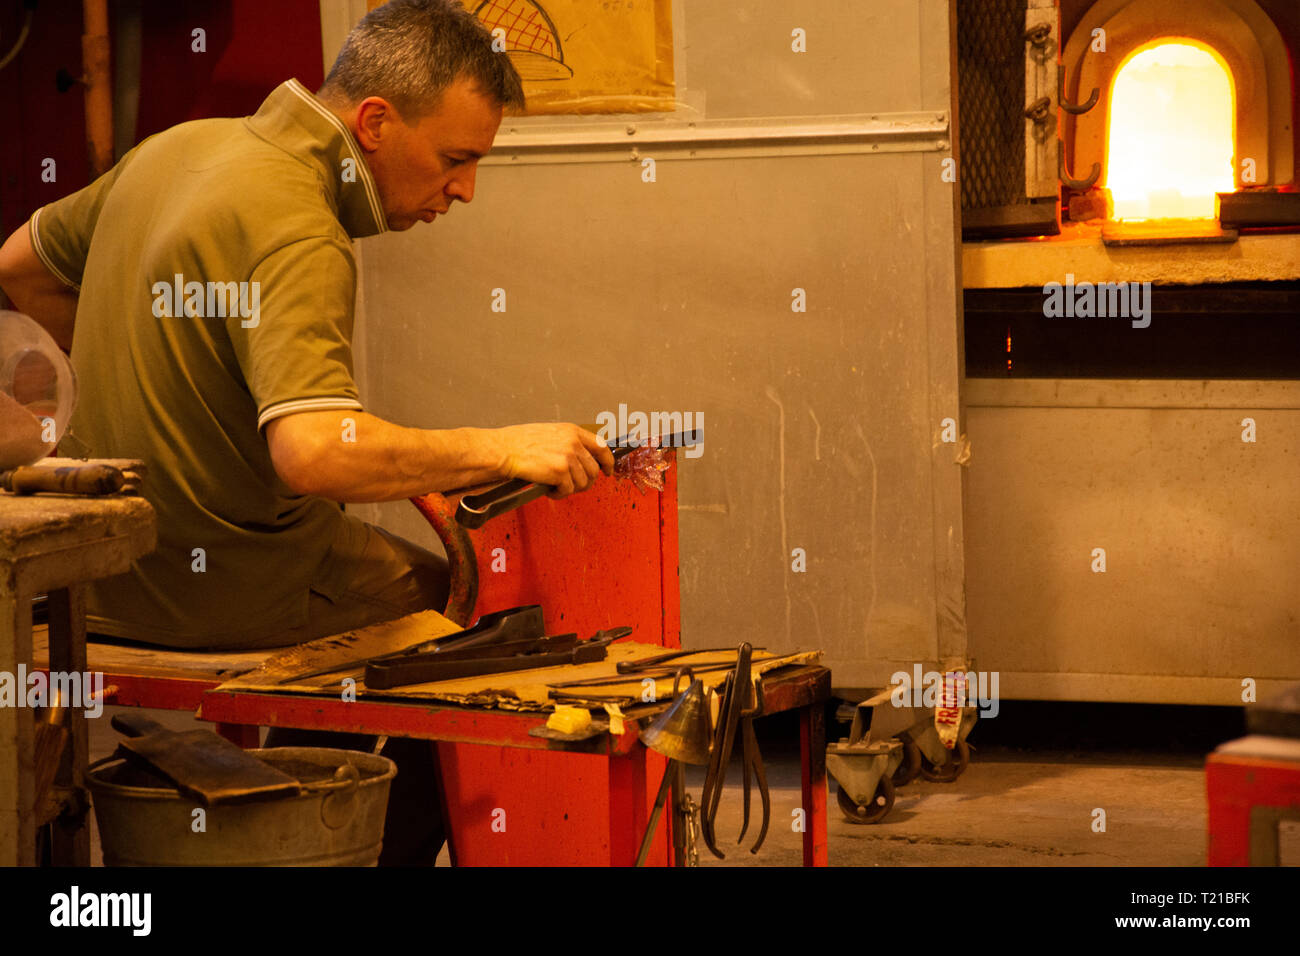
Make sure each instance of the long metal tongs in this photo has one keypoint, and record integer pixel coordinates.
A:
(478, 507)
(495, 628)
(430, 666)
(753, 762)
(741, 703)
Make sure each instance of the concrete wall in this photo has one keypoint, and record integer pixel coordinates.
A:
(822, 427)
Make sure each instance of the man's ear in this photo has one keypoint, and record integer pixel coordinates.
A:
(373, 114)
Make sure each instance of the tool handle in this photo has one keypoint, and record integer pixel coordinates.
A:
(474, 511)
(499, 627)
(132, 723)
(65, 479)
(682, 672)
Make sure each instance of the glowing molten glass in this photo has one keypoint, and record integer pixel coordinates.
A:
(1170, 143)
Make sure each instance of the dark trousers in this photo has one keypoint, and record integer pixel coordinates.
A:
(394, 578)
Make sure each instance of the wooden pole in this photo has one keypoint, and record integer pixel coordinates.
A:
(96, 57)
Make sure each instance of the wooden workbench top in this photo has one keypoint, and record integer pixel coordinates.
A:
(41, 524)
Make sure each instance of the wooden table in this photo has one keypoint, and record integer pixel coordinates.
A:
(54, 544)
(602, 559)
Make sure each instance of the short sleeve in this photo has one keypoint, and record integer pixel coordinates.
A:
(293, 341)
(61, 231)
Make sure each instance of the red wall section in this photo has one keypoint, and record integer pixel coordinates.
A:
(252, 46)
(36, 120)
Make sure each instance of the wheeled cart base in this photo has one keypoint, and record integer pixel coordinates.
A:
(889, 745)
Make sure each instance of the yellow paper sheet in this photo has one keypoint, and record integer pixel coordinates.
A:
(576, 56)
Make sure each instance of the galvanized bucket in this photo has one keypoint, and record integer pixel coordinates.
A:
(337, 821)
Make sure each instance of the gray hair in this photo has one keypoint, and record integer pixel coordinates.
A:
(410, 51)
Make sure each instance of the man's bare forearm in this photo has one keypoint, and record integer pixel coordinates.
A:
(356, 457)
(33, 289)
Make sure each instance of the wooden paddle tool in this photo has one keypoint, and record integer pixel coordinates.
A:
(200, 764)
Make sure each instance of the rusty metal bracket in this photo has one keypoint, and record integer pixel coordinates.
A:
(1039, 37)
(1067, 105)
(1038, 110)
(1080, 184)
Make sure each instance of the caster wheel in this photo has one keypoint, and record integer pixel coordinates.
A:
(910, 768)
(949, 771)
(872, 812)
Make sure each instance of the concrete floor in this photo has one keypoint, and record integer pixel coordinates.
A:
(1014, 806)
(1007, 809)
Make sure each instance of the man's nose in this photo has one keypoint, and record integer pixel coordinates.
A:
(462, 185)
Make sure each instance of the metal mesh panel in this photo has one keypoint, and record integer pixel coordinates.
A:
(990, 99)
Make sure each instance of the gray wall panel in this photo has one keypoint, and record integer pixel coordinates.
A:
(821, 428)
(1198, 527)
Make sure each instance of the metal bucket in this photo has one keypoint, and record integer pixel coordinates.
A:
(337, 821)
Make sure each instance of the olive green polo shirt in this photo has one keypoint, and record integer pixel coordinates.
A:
(217, 284)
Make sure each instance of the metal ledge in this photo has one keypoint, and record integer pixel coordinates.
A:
(1120, 393)
(864, 133)
(1009, 263)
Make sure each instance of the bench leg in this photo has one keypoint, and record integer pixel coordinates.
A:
(17, 737)
(628, 807)
(812, 753)
(67, 608)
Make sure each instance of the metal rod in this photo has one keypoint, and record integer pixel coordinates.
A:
(664, 787)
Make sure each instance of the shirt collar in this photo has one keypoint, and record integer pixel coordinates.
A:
(297, 122)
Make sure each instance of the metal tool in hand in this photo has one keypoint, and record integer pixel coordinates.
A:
(478, 508)
(741, 703)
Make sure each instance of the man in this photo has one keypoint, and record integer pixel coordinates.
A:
(206, 287)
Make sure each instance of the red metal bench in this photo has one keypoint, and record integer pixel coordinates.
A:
(605, 558)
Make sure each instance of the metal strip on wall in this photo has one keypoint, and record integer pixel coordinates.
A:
(910, 132)
(1041, 70)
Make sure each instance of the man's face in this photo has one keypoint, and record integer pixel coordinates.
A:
(421, 168)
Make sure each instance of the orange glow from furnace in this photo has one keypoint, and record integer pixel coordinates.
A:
(1170, 142)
